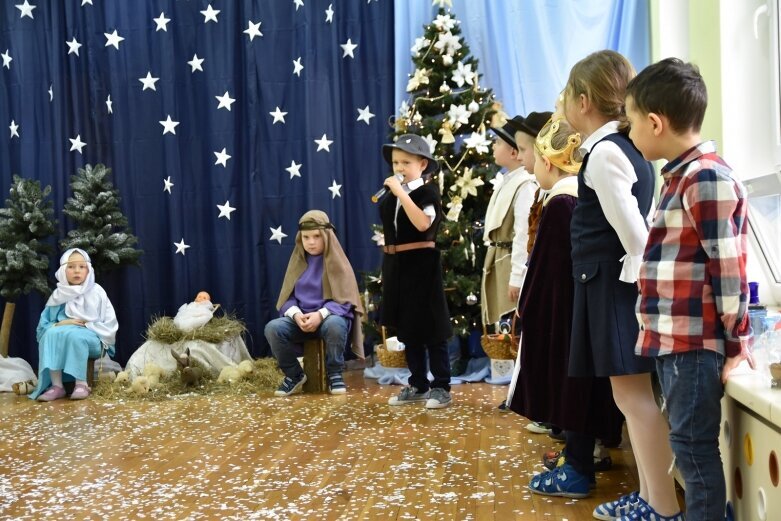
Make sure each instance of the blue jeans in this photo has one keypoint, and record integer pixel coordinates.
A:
(691, 384)
(285, 337)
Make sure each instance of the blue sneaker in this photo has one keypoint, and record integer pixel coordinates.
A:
(563, 481)
(615, 509)
(644, 512)
(336, 384)
(291, 386)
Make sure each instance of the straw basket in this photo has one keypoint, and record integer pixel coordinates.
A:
(396, 359)
(500, 346)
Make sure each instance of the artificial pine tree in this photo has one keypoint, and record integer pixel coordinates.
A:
(26, 222)
(101, 228)
(452, 112)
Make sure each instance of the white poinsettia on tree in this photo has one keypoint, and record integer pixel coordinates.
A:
(478, 142)
(467, 185)
(463, 74)
(458, 115)
(444, 22)
(420, 44)
(419, 78)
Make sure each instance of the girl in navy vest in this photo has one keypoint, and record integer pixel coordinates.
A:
(608, 233)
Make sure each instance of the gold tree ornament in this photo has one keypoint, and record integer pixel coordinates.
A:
(447, 133)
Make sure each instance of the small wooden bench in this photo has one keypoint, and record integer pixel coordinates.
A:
(314, 366)
(91, 372)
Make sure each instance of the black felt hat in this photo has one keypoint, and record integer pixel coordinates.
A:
(507, 132)
(411, 144)
(533, 123)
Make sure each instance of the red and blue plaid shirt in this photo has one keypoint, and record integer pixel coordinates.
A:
(693, 289)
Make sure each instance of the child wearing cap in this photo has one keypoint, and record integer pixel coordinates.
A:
(413, 298)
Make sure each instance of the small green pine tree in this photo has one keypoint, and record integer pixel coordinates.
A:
(101, 227)
(26, 222)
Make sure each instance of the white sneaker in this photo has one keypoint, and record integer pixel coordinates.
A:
(537, 428)
(438, 398)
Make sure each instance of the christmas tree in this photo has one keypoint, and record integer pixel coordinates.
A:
(101, 228)
(26, 222)
(452, 112)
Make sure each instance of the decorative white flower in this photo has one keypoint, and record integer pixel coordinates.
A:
(466, 185)
(419, 78)
(432, 143)
(462, 74)
(458, 115)
(497, 180)
(379, 238)
(447, 43)
(420, 44)
(444, 22)
(404, 108)
(478, 141)
(447, 60)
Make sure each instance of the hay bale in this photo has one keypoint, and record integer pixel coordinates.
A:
(215, 331)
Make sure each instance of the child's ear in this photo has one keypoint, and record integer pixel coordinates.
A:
(658, 123)
(425, 164)
(547, 163)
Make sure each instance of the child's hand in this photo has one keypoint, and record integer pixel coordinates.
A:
(312, 321)
(732, 362)
(71, 322)
(514, 292)
(300, 320)
(394, 185)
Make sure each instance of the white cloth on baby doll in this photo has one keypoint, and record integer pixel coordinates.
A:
(213, 357)
(13, 370)
(193, 315)
(87, 301)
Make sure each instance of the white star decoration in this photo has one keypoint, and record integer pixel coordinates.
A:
(162, 22)
(323, 143)
(83, 2)
(113, 39)
(297, 67)
(329, 14)
(195, 63)
(299, 3)
(14, 129)
(294, 169)
(277, 235)
(77, 144)
(252, 30)
(6, 59)
(181, 246)
(278, 115)
(73, 46)
(26, 8)
(225, 210)
(149, 82)
(364, 115)
(334, 188)
(225, 101)
(210, 14)
(109, 104)
(169, 125)
(222, 158)
(167, 184)
(348, 47)
(51, 93)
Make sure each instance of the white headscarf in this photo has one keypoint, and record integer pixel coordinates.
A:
(87, 301)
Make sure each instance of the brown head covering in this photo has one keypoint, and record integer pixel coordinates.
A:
(339, 282)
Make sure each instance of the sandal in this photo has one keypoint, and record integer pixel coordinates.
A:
(80, 391)
(52, 393)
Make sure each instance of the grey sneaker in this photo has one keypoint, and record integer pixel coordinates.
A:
(408, 394)
(438, 398)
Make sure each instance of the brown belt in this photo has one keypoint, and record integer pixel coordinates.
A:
(396, 248)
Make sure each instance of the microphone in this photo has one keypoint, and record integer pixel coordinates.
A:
(382, 192)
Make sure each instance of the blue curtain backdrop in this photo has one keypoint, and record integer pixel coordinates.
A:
(526, 48)
(234, 258)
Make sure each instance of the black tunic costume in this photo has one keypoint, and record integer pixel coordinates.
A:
(413, 298)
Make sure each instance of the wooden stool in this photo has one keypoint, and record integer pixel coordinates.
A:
(91, 372)
(314, 366)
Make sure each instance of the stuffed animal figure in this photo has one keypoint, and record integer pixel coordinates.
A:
(191, 375)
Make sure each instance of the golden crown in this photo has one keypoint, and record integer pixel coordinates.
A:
(566, 158)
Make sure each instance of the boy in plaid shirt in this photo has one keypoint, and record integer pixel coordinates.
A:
(693, 289)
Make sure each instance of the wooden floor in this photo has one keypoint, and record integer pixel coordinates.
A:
(259, 457)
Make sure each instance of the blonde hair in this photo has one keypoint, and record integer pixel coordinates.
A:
(602, 77)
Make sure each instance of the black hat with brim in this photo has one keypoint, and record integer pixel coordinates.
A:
(411, 144)
(507, 132)
(533, 123)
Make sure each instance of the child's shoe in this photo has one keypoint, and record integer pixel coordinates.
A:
(336, 384)
(408, 394)
(503, 407)
(52, 393)
(80, 392)
(538, 428)
(644, 512)
(438, 398)
(615, 509)
(291, 386)
(562, 481)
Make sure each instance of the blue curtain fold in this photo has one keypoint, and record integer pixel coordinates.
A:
(234, 259)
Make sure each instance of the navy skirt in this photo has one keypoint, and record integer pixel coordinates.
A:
(604, 325)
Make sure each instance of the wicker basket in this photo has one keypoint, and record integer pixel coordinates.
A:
(500, 346)
(387, 358)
